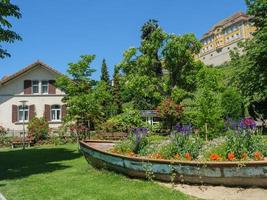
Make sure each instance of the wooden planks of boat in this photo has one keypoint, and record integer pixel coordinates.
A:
(242, 174)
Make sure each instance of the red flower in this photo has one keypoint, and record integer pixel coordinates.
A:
(258, 155)
(214, 156)
(187, 156)
(231, 156)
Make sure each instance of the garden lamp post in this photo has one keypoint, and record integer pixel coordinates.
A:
(23, 104)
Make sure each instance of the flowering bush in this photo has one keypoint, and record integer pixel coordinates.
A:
(140, 138)
(38, 128)
(136, 141)
(243, 139)
(79, 130)
(169, 112)
(3, 131)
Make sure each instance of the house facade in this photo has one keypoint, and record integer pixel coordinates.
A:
(224, 37)
(34, 84)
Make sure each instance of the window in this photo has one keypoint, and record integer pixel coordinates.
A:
(23, 113)
(35, 87)
(44, 87)
(55, 113)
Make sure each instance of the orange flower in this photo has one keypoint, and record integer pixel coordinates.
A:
(177, 156)
(131, 153)
(156, 156)
(214, 156)
(231, 156)
(245, 155)
(258, 155)
(187, 156)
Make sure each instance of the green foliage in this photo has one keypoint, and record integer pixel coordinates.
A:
(205, 108)
(179, 59)
(124, 121)
(245, 142)
(188, 144)
(104, 73)
(148, 28)
(168, 150)
(220, 150)
(250, 72)
(116, 92)
(124, 147)
(38, 128)
(179, 94)
(257, 9)
(7, 10)
(156, 138)
(232, 104)
(84, 102)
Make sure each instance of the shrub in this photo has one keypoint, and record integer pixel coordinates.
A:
(3, 132)
(169, 112)
(124, 147)
(123, 122)
(232, 104)
(38, 128)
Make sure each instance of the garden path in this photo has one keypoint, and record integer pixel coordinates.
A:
(220, 192)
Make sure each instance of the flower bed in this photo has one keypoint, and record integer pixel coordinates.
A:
(242, 142)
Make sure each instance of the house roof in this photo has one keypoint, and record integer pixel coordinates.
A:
(227, 22)
(6, 79)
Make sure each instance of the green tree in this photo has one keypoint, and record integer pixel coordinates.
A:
(232, 104)
(7, 10)
(152, 40)
(142, 80)
(205, 110)
(116, 92)
(148, 28)
(104, 73)
(251, 71)
(179, 59)
(83, 103)
(257, 9)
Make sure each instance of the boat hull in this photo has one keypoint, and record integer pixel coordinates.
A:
(249, 174)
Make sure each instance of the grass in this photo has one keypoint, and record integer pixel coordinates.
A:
(60, 172)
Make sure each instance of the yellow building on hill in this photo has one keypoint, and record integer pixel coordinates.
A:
(223, 37)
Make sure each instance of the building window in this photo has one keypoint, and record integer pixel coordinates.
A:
(35, 87)
(44, 87)
(55, 113)
(23, 113)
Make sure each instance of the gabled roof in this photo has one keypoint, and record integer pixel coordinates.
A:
(6, 79)
(226, 22)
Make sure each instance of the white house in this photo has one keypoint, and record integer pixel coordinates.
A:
(36, 85)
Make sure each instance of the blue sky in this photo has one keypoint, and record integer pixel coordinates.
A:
(57, 32)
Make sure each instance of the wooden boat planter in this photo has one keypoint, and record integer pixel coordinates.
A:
(245, 174)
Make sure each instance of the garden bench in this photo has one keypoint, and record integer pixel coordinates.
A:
(29, 141)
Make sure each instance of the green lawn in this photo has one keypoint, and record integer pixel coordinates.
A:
(61, 172)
